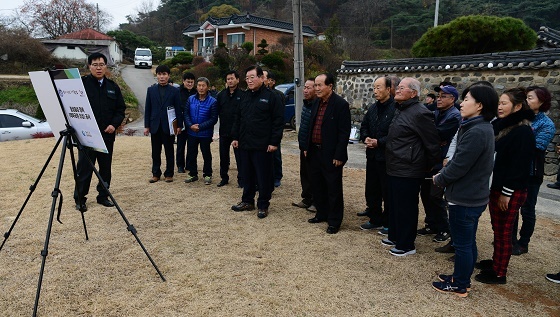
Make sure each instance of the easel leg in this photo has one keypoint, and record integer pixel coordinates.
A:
(31, 190)
(54, 195)
(74, 170)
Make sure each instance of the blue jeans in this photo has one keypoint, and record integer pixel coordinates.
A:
(463, 222)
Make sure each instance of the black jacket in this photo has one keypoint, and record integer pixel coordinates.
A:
(376, 127)
(259, 120)
(335, 130)
(412, 147)
(515, 146)
(106, 102)
(227, 106)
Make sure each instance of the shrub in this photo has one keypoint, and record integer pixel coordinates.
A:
(182, 58)
(475, 34)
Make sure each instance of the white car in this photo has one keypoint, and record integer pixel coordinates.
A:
(15, 125)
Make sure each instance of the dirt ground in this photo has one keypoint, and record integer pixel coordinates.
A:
(221, 263)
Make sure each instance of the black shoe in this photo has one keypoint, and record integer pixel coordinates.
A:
(363, 213)
(105, 202)
(448, 248)
(553, 186)
(490, 277)
(243, 206)
(332, 229)
(315, 220)
(81, 207)
(442, 237)
(180, 170)
(425, 231)
(518, 250)
(484, 265)
(222, 183)
(262, 213)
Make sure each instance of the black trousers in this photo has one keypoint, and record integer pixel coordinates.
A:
(376, 192)
(277, 163)
(306, 190)
(160, 139)
(225, 145)
(403, 215)
(256, 170)
(327, 186)
(181, 156)
(85, 171)
(192, 154)
(435, 206)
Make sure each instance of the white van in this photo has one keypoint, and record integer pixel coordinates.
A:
(143, 57)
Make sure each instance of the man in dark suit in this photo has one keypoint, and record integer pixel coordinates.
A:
(108, 107)
(160, 98)
(327, 152)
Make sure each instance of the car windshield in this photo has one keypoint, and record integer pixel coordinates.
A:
(143, 53)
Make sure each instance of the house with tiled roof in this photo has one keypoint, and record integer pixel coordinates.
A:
(238, 29)
(79, 45)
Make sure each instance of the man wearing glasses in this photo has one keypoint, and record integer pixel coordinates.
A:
(447, 120)
(257, 131)
(108, 107)
(412, 149)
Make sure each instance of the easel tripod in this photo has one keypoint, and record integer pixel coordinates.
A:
(66, 138)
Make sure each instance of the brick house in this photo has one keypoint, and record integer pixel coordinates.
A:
(238, 29)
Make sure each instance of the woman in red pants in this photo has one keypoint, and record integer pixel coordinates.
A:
(515, 145)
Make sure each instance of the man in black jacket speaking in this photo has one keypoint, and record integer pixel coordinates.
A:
(108, 107)
(257, 132)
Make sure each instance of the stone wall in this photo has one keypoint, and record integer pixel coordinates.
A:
(357, 89)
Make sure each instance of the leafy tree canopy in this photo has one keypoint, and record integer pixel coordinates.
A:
(475, 34)
(222, 11)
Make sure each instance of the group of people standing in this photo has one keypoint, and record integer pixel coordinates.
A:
(459, 158)
(489, 150)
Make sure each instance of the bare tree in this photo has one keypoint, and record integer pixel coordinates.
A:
(57, 17)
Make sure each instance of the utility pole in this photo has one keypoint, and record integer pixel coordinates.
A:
(97, 15)
(437, 13)
(299, 72)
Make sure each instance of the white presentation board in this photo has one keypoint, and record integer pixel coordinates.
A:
(75, 104)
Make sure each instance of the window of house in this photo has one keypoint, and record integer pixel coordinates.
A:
(209, 42)
(71, 47)
(235, 40)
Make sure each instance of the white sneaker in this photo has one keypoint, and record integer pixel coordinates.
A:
(397, 252)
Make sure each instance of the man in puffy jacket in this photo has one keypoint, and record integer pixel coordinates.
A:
(257, 132)
(306, 192)
(412, 149)
(201, 114)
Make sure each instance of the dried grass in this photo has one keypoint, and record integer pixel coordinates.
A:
(221, 263)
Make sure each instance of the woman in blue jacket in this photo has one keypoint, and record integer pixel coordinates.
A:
(538, 99)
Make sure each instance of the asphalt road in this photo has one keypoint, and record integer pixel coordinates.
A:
(138, 79)
(548, 203)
